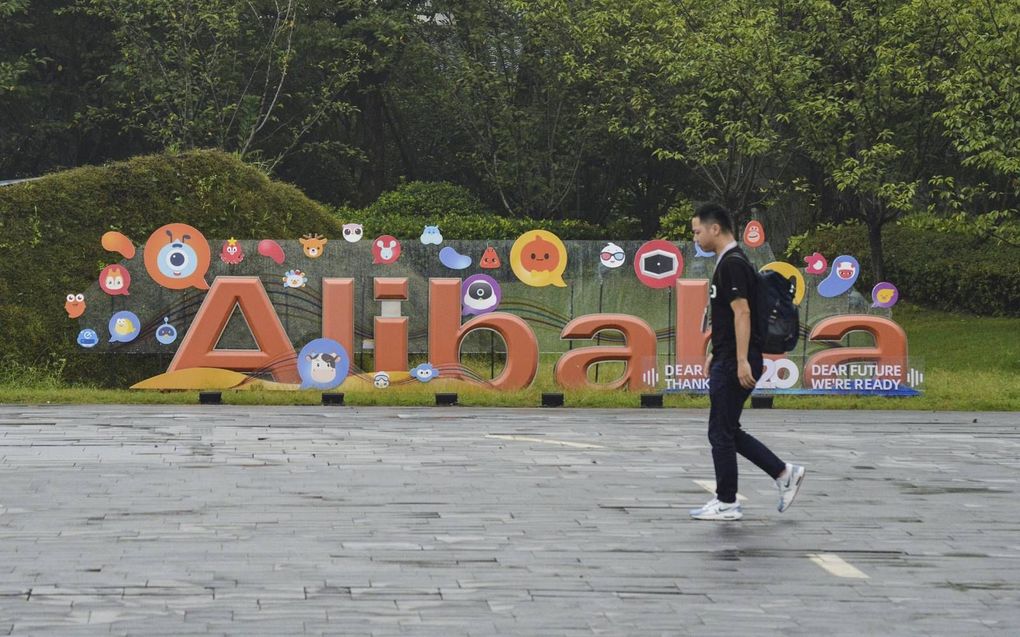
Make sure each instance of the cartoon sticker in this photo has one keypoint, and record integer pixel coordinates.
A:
(385, 250)
(272, 250)
(842, 277)
(790, 272)
(88, 338)
(698, 252)
(352, 232)
(115, 280)
(323, 364)
(124, 327)
(381, 380)
(612, 256)
(481, 294)
(754, 235)
(431, 236)
(453, 259)
(231, 253)
(658, 264)
(424, 372)
(114, 241)
(490, 260)
(75, 305)
(313, 245)
(539, 258)
(177, 257)
(294, 279)
(816, 264)
(166, 333)
(884, 295)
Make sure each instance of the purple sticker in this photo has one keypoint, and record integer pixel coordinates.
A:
(885, 295)
(481, 294)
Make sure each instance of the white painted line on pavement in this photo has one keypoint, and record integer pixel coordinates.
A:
(836, 565)
(709, 485)
(562, 443)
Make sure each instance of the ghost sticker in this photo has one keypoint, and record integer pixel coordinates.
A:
(842, 277)
(88, 338)
(177, 257)
(231, 253)
(424, 372)
(385, 250)
(612, 256)
(313, 245)
(658, 264)
(124, 327)
(75, 305)
(381, 380)
(453, 259)
(539, 258)
(754, 235)
(294, 279)
(431, 236)
(815, 264)
(884, 295)
(115, 280)
(352, 232)
(272, 250)
(481, 294)
(166, 333)
(490, 260)
(323, 364)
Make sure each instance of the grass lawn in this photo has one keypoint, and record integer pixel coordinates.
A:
(971, 363)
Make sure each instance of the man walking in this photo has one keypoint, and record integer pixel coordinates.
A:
(734, 366)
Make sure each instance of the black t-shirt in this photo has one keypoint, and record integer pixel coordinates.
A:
(734, 278)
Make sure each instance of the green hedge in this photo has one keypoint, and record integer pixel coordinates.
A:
(50, 231)
(948, 271)
(404, 212)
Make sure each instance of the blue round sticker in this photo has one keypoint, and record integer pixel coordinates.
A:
(323, 364)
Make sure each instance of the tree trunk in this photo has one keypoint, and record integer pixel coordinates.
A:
(877, 254)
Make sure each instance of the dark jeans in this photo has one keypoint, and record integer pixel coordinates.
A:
(724, 431)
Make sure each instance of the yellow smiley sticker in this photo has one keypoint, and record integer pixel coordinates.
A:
(789, 272)
(539, 258)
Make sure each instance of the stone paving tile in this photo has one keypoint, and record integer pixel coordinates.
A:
(395, 521)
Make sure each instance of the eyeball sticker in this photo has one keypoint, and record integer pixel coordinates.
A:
(166, 333)
(231, 253)
(481, 294)
(658, 264)
(177, 257)
(424, 372)
(313, 245)
(385, 250)
(115, 280)
(490, 260)
(453, 259)
(612, 256)
(124, 327)
(381, 380)
(75, 305)
(431, 236)
(323, 364)
(754, 235)
(88, 338)
(272, 250)
(845, 271)
(118, 242)
(539, 258)
(884, 295)
(352, 232)
(815, 264)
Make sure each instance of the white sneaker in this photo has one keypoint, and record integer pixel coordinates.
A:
(789, 485)
(716, 510)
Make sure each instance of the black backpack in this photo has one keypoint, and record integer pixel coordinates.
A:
(778, 321)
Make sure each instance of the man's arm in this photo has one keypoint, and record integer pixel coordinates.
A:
(742, 328)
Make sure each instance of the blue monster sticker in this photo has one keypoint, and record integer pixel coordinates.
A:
(844, 273)
(424, 372)
(323, 364)
(431, 235)
(166, 333)
(124, 327)
(88, 338)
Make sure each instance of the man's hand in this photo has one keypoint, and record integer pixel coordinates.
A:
(708, 365)
(744, 375)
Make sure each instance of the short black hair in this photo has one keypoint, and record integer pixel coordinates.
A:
(710, 213)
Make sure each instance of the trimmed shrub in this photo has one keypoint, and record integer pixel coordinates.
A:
(946, 270)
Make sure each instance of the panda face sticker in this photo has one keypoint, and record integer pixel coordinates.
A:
(480, 294)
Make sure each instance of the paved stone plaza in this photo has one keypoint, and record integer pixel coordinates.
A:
(449, 521)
